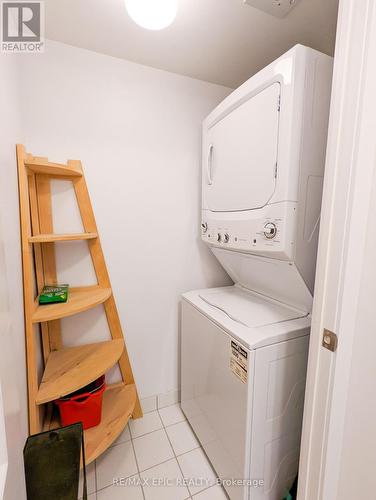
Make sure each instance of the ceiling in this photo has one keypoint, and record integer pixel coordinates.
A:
(220, 41)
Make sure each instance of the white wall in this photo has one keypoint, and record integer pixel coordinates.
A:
(137, 131)
(12, 356)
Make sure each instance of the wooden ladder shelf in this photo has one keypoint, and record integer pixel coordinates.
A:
(67, 369)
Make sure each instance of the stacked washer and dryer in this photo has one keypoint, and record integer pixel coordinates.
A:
(245, 347)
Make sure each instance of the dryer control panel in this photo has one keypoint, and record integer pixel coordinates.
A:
(269, 232)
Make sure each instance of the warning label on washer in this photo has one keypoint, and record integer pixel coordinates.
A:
(239, 361)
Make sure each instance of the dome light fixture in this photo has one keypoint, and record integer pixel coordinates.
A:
(152, 14)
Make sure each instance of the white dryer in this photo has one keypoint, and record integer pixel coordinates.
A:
(245, 347)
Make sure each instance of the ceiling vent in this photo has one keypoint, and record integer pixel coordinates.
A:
(278, 8)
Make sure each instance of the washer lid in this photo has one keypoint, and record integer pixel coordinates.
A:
(247, 308)
(278, 279)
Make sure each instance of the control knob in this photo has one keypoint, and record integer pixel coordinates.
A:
(204, 227)
(270, 230)
(226, 238)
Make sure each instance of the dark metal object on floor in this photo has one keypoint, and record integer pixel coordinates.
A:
(52, 464)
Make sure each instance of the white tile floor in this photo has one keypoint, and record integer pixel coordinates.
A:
(149, 461)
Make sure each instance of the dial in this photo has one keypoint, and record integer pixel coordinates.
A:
(270, 230)
(219, 237)
(204, 227)
(226, 238)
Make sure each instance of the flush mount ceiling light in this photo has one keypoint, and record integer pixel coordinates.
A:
(152, 14)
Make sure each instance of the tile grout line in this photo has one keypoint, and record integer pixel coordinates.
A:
(176, 460)
(127, 477)
(173, 451)
(176, 456)
(156, 465)
(164, 427)
(155, 430)
(95, 477)
(165, 461)
(138, 467)
(146, 433)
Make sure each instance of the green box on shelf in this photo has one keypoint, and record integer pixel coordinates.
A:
(52, 294)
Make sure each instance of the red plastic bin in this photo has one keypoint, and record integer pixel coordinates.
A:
(84, 405)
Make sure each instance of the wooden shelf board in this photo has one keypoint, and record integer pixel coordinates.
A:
(79, 299)
(118, 405)
(40, 166)
(48, 238)
(69, 369)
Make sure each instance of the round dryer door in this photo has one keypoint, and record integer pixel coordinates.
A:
(241, 154)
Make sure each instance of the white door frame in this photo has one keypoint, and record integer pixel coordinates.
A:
(350, 169)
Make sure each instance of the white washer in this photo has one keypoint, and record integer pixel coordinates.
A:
(243, 379)
(245, 347)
